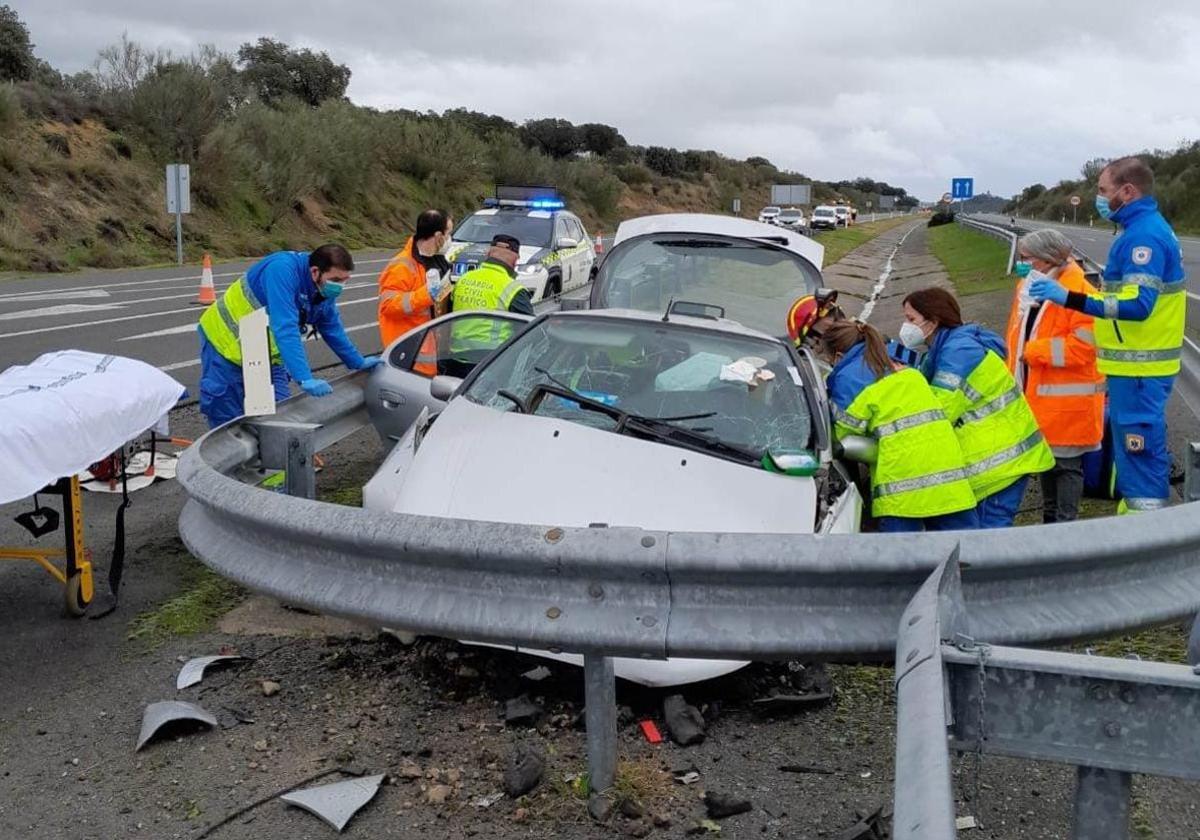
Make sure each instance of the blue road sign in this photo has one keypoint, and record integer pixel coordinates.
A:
(962, 188)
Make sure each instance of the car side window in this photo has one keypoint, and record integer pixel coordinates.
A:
(455, 347)
(560, 229)
(575, 230)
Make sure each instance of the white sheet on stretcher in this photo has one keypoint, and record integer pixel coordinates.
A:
(68, 409)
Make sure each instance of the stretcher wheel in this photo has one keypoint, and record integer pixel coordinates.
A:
(74, 600)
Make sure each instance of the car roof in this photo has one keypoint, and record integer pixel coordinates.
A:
(712, 224)
(722, 325)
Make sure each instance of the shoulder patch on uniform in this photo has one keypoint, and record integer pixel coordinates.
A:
(1141, 255)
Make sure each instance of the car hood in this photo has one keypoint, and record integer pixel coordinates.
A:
(482, 464)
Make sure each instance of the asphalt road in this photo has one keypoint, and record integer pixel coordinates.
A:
(151, 314)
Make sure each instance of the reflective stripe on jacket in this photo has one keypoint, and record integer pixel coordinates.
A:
(997, 431)
(1055, 367)
(404, 301)
(220, 322)
(489, 288)
(920, 468)
(1145, 265)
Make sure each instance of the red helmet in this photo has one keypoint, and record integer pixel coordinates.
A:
(806, 311)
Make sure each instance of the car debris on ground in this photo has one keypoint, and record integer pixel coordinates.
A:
(193, 670)
(336, 803)
(159, 715)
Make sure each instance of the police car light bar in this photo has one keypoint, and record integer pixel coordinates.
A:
(537, 198)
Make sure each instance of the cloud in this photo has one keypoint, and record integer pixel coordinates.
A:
(913, 94)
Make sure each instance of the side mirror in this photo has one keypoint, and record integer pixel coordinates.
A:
(443, 387)
(566, 243)
(863, 450)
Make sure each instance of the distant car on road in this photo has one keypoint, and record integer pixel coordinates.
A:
(824, 217)
(768, 215)
(792, 219)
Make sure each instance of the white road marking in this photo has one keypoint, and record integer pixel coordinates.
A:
(168, 331)
(192, 309)
(33, 297)
(63, 309)
(192, 277)
(1193, 295)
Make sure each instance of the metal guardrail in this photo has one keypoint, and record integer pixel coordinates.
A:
(605, 592)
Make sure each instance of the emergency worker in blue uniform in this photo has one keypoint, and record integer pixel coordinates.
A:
(298, 291)
(1139, 316)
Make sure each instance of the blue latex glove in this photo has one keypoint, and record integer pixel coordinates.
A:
(370, 362)
(1050, 290)
(316, 387)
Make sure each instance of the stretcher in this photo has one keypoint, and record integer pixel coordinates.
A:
(62, 414)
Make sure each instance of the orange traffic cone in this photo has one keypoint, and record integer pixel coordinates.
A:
(207, 293)
(599, 243)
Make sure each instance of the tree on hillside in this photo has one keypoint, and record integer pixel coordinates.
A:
(1032, 191)
(175, 107)
(668, 162)
(274, 71)
(17, 62)
(1092, 169)
(557, 138)
(600, 139)
(481, 125)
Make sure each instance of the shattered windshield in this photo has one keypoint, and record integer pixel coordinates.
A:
(754, 282)
(742, 391)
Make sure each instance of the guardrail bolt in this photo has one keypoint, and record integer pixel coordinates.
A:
(912, 654)
(914, 620)
(595, 590)
(648, 542)
(553, 613)
(649, 620)
(1128, 695)
(554, 535)
(1112, 729)
(1098, 691)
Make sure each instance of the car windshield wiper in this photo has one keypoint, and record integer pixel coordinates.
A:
(663, 430)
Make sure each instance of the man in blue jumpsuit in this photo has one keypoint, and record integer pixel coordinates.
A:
(298, 291)
(1139, 316)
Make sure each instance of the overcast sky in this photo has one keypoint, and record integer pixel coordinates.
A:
(911, 93)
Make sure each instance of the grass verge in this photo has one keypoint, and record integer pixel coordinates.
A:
(974, 262)
(205, 597)
(838, 243)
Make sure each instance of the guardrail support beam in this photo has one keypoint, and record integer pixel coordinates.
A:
(600, 715)
(1191, 473)
(1102, 799)
(290, 447)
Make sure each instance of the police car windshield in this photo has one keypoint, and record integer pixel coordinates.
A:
(754, 282)
(529, 229)
(665, 371)
(791, 213)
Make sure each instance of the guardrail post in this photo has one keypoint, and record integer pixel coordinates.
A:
(600, 715)
(1191, 473)
(290, 447)
(1102, 799)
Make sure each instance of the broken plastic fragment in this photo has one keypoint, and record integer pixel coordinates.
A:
(193, 670)
(963, 823)
(336, 803)
(651, 731)
(158, 715)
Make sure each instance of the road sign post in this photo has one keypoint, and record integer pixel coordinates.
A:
(962, 189)
(1075, 209)
(737, 207)
(179, 200)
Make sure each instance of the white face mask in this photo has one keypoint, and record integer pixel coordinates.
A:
(445, 246)
(911, 336)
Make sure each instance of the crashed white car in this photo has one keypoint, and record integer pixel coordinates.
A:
(667, 416)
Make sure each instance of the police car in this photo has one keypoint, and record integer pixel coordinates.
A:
(556, 252)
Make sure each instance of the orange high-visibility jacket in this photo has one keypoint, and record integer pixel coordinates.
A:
(1059, 376)
(404, 301)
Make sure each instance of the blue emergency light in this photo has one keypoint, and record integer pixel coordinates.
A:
(533, 198)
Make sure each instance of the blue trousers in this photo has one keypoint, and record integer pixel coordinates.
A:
(1000, 509)
(1138, 418)
(963, 520)
(222, 391)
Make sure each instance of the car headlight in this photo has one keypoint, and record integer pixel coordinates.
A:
(531, 268)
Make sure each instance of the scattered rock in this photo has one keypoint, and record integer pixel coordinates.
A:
(269, 688)
(466, 672)
(721, 805)
(526, 764)
(521, 711)
(631, 808)
(438, 794)
(638, 828)
(261, 745)
(684, 722)
(662, 820)
(520, 815)
(410, 771)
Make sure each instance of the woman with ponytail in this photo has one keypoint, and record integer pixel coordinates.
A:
(917, 482)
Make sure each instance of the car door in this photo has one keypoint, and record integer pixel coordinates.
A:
(452, 345)
(584, 257)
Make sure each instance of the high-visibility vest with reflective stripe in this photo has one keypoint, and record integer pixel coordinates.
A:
(919, 471)
(1152, 347)
(997, 431)
(220, 322)
(490, 288)
(1055, 367)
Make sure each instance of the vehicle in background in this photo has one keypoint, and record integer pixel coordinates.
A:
(842, 212)
(556, 253)
(768, 215)
(824, 217)
(791, 218)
